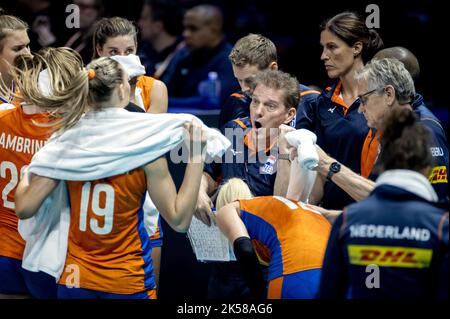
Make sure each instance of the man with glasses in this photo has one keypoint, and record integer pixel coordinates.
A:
(382, 84)
(439, 149)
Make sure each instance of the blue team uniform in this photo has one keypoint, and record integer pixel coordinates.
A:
(341, 132)
(402, 233)
(258, 170)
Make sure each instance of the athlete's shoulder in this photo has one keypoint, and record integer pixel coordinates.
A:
(144, 80)
(9, 114)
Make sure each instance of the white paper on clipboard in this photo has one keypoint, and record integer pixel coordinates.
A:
(208, 242)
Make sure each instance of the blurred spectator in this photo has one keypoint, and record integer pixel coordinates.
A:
(46, 20)
(160, 25)
(206, 51)
(81, 40)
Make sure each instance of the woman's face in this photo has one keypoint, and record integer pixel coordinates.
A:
(121, 45)
(337, 56)
(15, 44)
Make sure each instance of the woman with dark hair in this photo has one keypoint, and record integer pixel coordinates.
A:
(399, 230)
(347, 45)
(118, 37)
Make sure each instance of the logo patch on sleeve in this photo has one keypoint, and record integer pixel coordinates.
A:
(388, 256)
(268, 167)
(438, 175)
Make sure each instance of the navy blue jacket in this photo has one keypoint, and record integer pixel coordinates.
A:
(340, 134)
(403, 234)
(439, 149)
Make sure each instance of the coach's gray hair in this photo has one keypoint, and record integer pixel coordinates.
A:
(383, 72)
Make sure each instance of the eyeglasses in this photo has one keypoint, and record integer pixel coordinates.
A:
(364, 97)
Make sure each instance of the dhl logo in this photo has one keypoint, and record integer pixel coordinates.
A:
(438, 175)
(390, 256)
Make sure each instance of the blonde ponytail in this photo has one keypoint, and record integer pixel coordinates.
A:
(69, 86)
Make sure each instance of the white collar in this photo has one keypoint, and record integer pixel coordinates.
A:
(410, 181)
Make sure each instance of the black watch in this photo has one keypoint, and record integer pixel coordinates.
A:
(335, 167)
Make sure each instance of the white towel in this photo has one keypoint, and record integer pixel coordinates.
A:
(44, 83)
(6, 106)
(102, 144)
(131, 63)
(302, 174)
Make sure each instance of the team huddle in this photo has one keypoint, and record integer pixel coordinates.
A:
(310, 186)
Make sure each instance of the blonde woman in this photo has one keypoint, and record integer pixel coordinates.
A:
(14, 41)
(107, 242)
(22, 133)
(287, 235)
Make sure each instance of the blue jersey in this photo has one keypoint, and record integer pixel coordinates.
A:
(341, 131)
(403, 234)
(258, 170)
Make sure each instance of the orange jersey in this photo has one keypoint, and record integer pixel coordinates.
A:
(145, 83)
(108, 242)
(20, 139)
(294, 236)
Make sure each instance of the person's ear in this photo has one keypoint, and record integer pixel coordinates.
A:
(121, 91)
(357, 48)
(99, 50)
(273, 66)
(290, 115)
(389, 93)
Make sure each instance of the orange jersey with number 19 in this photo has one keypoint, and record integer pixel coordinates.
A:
(108, 244)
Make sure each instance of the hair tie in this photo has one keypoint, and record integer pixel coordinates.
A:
(91, 74)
